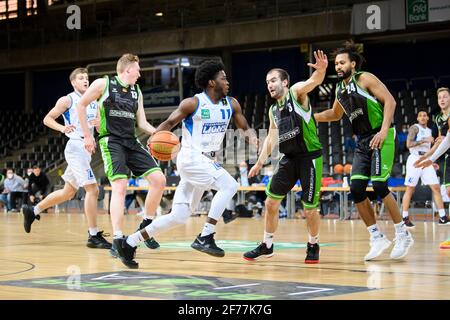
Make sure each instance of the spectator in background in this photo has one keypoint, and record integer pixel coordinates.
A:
(402, 137)
(38, 185)
(14, 188)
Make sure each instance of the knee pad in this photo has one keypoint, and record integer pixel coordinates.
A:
(381, 188)
(180, 213)
(358, 190)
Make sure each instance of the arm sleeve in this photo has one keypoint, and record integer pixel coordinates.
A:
(443, 147)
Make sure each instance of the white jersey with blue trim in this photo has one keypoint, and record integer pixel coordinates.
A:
(205, 128)
(422, 134)
(71, 116)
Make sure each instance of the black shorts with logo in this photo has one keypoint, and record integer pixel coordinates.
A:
(123, 155)
(306, 168)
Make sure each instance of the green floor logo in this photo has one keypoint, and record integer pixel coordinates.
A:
(239, 246)
(186, 287)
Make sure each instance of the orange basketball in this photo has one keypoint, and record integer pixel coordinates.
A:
(339, 168)
(347, 168)
(164, 145)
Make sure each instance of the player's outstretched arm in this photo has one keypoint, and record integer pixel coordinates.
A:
(142, 119)
(241, 122)
(304, 87)
(333, 114)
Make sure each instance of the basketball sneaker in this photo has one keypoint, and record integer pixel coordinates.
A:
(98, 241)
(403, 241)
(443, 221)
(29, 217)
(207, 245)
(377, 246)
(445, 244)
(113, 251)
(259, 251)
(312, 253)
(408, 223)
(228, 216)
(150, 243)
(126, 253)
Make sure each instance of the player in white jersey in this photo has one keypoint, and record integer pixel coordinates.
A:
(78, 173)
(419, 143)
(205, 119)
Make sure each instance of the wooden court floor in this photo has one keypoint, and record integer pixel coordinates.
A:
(52, 262)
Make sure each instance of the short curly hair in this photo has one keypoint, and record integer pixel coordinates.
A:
(207, 70)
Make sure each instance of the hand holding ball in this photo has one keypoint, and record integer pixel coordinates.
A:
(164, 145)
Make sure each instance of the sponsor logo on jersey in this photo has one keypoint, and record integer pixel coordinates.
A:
(289, 135)
(121, 114)
(205, 114)
(217, 127)
(355, 114)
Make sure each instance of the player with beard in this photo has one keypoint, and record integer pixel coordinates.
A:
(370, 108)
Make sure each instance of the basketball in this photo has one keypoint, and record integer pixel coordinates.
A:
(339, 169)
(164, 145)
(347, 168)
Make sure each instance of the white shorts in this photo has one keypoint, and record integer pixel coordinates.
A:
(78, 172)
(198, 173)
(427, 175)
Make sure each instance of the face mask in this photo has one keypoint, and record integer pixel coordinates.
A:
(10, 175)
(29, 173)
(269, 173)
(243, 170)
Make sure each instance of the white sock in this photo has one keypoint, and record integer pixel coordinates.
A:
(268, 239)
(208, 229)
(405, 214)
(93, 231)
(313, 239)
(400, 227)
(374, 231)
(118, 234)
(135, 238)
(37, 210)
(441, 213)
(146, 217)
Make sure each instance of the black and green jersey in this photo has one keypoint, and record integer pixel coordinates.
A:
(441, 124)
(296, 127)
(362, 109)
(118, 106)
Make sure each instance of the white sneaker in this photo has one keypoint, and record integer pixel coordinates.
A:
(403, 241)
(377, 246)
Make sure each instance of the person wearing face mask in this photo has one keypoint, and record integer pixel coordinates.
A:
(14, 188)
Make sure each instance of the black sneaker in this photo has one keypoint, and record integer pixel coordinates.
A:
(150, 243)
(228, 216)
(259, 251)
(126, 253)
(113, 251)
(207, 245)
(312, 253)
(29, 217)
(98, 241)
(408, 223)
(443, 221)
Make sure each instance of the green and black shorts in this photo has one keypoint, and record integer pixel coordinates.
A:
(123, 155)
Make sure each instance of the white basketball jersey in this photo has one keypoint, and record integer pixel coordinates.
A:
(71, 116)
(205, 129)
(424, 147)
